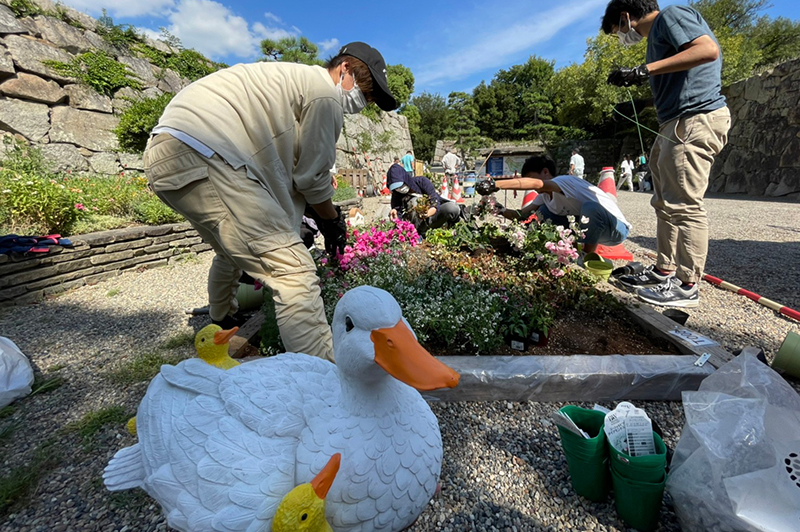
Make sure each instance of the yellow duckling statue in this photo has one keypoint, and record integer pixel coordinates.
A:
(211, 344)
(303, 508)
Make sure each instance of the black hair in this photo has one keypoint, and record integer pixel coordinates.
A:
(536, 164)
(577, 150)
(409, 151)
(635, 8)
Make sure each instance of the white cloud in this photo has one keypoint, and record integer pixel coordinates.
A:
(327, 46)
(494, 47)
(272, 17)
(263, 32)
(128, 8)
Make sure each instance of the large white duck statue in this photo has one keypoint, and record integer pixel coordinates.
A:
(219, 449)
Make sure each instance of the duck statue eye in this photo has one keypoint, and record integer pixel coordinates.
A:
(348, 324)
(304, 517)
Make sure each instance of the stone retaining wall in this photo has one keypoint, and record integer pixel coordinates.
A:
(762, 157)
(93, 258)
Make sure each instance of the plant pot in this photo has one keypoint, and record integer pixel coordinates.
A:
(598, 268)
(787, 360)
(248, 297)
(538, 339)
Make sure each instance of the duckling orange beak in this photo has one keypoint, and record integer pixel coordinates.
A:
(324, 479)
(401, 356)
(222, 337)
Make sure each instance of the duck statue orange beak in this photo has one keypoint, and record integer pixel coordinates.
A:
(401, 356)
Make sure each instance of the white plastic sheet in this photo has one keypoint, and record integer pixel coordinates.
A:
(16, 374)
(737, 464)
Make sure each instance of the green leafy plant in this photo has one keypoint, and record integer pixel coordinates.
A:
(192, 64)
(372, 112)
(24, 8)
(99, 70)
(152, 211)
(33, 198)
(138, 120)
(343, 190)
(119, 35)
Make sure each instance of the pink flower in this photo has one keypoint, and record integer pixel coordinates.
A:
(80, 207)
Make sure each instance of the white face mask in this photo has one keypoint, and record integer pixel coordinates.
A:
(629, 38)
(353, 100)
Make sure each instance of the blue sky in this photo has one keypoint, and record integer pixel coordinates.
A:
(449, 46)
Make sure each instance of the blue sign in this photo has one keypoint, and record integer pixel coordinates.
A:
(494, 167)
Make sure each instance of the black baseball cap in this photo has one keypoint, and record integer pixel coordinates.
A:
(377, 67)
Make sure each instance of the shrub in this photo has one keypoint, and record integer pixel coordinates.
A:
(152, 211)
(343, 190)
(98, 70)
(34, 199)
(138, 121)
(119, 35)
(24, 8)
(192, 64)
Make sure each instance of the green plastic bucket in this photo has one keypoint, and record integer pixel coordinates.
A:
(598, 268)
(640, 468)
(787, 359)
(638, 503)
(587, 458)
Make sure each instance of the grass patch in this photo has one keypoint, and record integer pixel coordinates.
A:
(113, 292)
(7, 411)
(93, 223)
(90, 424)
(56, 367)
(179, 340)
(43, 384)
(22, 480)
(7, 431)
(142, 368)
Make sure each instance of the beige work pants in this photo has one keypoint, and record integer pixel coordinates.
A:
(249, 231)
(681, 164)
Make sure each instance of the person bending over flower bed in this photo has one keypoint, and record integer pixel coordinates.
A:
(602, 221)
(406, 190)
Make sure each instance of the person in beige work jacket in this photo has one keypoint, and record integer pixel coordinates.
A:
(241, 152)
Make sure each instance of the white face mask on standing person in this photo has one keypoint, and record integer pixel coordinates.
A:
(353, 100)
(630, 37)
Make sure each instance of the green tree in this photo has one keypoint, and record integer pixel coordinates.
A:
(462, 123)
(434, 117)
(291, 50)
(401, 83)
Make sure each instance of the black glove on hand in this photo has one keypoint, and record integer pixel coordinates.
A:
(625, 76)
(486, 187)
(335, 233)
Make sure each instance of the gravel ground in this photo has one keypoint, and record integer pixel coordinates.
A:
(503, 468)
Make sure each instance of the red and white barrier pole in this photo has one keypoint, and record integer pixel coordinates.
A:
(777, 307)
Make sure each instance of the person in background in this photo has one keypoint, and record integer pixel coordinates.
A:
(408, 163)
(626, 169)
(683, 66)
(641, 174)
(576, 164)
(450, 162)
(406, 191)
(560, 196)
(241, 152)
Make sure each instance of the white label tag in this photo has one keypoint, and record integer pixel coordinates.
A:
(692, 337)
(519, 346)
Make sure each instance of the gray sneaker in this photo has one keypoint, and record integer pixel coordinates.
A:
(647, 279)
(670, 294)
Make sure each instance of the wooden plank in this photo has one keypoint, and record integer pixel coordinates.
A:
(663, 327)
(244, 342)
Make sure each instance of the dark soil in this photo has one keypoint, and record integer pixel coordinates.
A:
(582, 333)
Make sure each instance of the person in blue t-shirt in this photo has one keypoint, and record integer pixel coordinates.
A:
(406, 189)
(408, 163)
(684, 65)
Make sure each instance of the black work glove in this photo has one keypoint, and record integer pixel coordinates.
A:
(627, 108)
(486, 187)
(335, 233)
(626, 76)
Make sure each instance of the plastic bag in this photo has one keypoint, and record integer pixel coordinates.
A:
(737, 464)
(16, 374)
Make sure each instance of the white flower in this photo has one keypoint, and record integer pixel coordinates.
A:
(584, 220)
(6, 191)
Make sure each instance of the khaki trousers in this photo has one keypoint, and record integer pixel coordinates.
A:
(681, 164)
(249, 232)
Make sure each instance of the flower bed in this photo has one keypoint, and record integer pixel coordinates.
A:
(470, 288)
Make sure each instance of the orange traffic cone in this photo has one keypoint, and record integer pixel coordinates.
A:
(529, 197)
(445, 193)
(457, 192)
(607, 185)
